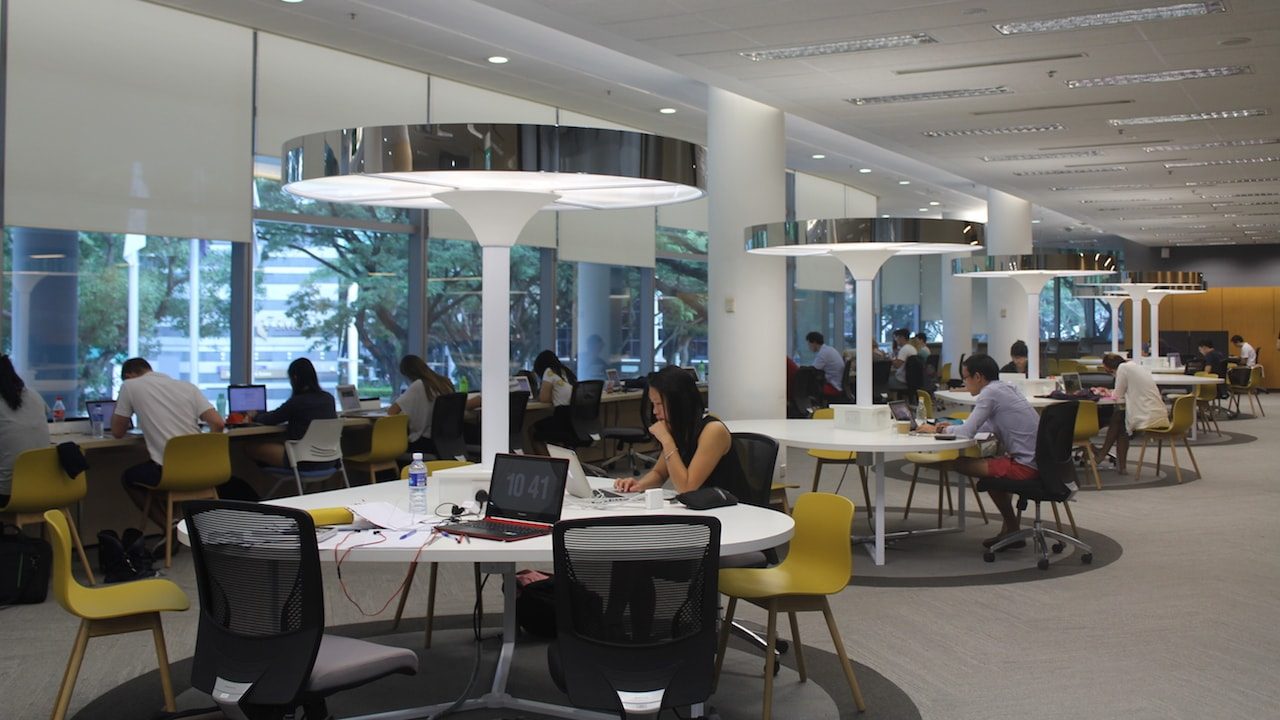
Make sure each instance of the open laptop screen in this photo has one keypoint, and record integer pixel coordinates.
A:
(243, 398)
(347, 398)
(902, 412)
(1071, 383)
(107, 408)
(519, 383)
(527, 488)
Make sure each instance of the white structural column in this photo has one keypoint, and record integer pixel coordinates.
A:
(1137, 294)
(1116, 302)
(746, 303)
(956, 296)
(496, 217)
(1008, 232)
(864, 265)
(1154, 297)
(592, 310)
(1032, 284)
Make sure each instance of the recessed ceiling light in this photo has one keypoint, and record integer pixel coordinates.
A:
(864, 171)
(667, 111)
(936, 95)
(885, 215)
(1123, 208)
(935, 203)
(1163, 76)
(818, 156)
(499, 60)
(1116, 17)
(1188, 117)
(844, 46)
(1035, 222)
(904, 182)
(291, 1)
(1232, 161)
(1042, 156)
(47, 256)
(1239, 195)
(924, 209)
(1211, 145)
(1009, 130)
(1075, 171)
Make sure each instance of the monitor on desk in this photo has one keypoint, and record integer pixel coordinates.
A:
(246, 398)
(348, 400)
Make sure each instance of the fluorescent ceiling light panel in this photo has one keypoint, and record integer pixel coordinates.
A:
(1232, 181)
(1095, 202)
(1076, 188)
(1076, 171)
(1211, 145)
(1162, 76)
(1116, 17)
(1230, 161)
(1042, 156)
(1188, 117)
(1125, 208)
(838, 48)
(1239, 195)
(1007, 130)
(936, 95)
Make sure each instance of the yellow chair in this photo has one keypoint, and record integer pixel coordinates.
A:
(838, 457)
(1250, 389)
(944, 376)
(433, 466)
(194, 465)
(1206, 402)
(1183, 413)
(390, 440)
(819, 563)
(778, 496)
(40, 485)
(1052, 366)
(1087, 427)
(110, 610)
(941, 461)
(1068, 366)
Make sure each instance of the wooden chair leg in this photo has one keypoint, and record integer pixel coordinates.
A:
(1093, 464)
(168, 530)
(866, 492)
(1261, 412)
(72, 672)
(431, 604)
(162, 659)
(817, 474)
(725, 626)
(941, 488)
(1146, 438)
(973, 485)
(1173, 450)
(1194, 464)
(771, 642)
(911, 492)
(1057, 521)
(75, 538)
(798, 647)
(844, 657)
(404, 594)
(1072, 518)
(945, 478)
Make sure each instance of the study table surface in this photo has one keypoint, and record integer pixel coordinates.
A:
(744, 528)
(824, 435)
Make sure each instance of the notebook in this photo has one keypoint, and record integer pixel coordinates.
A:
(526, 493)
(577, 482)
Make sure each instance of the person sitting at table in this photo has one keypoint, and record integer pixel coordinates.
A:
(1143, 407)
(901, 337)
(1214, 361)
(24, 423)
(697, 448)
(1246, 352)
(921, 344)
(1004, 412)
(166, 408)
(556, 387)
(307, 402)
(419, 400)
(828, 360)
(1018, 362)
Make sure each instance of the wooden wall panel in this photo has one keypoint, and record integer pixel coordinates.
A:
(1252, 312)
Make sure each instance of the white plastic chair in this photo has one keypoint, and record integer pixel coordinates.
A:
(322, 443)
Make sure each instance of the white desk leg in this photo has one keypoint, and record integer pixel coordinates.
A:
(878, 556)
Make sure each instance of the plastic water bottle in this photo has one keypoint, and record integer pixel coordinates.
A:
(464, 385)
(222, 404)
(95, 421)
(417, 486)
(922, 417)
(59, 409)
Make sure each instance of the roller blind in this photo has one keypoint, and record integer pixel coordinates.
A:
(609, 237)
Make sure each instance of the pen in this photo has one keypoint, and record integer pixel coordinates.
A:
(408, 535)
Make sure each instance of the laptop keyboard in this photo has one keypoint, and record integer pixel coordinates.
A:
(506, 530)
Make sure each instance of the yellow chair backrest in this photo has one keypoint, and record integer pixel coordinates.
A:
(434, 466)
(71, 595)
(1052, 366)
(820, 556)
(825, 413)
(926, 400)
(390, 438)
(1086, 420)
(944, 375)
(1206, 391)
(40, 484)
(196, 462)
(1068, 366)
(1184, 413)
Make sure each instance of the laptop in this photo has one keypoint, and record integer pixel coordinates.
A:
(246, 398)
(611, 381)
(901, 411)
(526, 493)
(519, 382)
(349, 401)
(1071, 383)
(577, 484)
(106, 407)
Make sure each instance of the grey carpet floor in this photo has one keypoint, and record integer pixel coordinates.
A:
(1184, 624)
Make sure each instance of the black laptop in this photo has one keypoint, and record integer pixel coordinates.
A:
(526, 493)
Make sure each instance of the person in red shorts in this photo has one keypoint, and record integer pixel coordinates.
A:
(1002, 411)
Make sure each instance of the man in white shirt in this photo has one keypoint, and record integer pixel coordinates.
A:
(1143, 407)
(165, 408)
(828, 360)
(1248, 354)
(901, 338)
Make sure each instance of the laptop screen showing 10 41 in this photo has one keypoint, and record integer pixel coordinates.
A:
(526, 492)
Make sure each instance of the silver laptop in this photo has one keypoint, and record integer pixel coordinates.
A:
(349, 401)
(577, 484)
(1071, 383)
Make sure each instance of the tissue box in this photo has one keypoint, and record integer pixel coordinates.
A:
(1034, 388)
(457, 485)
(865, 419)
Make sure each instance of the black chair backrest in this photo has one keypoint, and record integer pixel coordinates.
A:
(1054, 439)
(758, 454)
(584, 409)
(533, 380)
(446, 425)
(515, 425)
(1239, 376)
(849, 381)
(914, 376)
(932, 361)
(806, 390)
(880, 371)
(636, 605)
(261, 598)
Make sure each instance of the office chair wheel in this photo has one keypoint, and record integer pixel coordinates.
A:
(1058, 548)
(1086, 559)
(1042, 564)
(988, 557)
(781, 646)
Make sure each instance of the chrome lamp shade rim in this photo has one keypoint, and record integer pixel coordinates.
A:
(900, 236)
(1042, 264)
(409, 165)
(1162, 280)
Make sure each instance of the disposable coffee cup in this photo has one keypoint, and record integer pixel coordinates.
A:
(904, 426)
(653, 498)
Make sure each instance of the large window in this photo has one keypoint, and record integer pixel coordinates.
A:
(680, 299)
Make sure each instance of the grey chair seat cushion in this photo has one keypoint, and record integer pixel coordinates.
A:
(346, 662)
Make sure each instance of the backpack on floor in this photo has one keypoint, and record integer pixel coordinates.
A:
(25, 565)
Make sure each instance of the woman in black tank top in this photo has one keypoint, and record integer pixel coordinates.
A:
(697, 448)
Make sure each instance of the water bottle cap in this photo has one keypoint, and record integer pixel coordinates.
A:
(417, 457)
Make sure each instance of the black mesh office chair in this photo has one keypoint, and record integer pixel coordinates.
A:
(261, 650)
(584, 412)
(1054, 440)
(518, 404)
(806, 392)
(446, 426)
(880, 371)
(635, 612)
(849, 380)
(758, 455)
(627, 438)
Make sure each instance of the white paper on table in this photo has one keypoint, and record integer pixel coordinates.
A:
(386, 515)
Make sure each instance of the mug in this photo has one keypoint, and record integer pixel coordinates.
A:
(653, 499)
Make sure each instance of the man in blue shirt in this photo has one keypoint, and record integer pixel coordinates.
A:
(828, 360)
(1002, 411)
